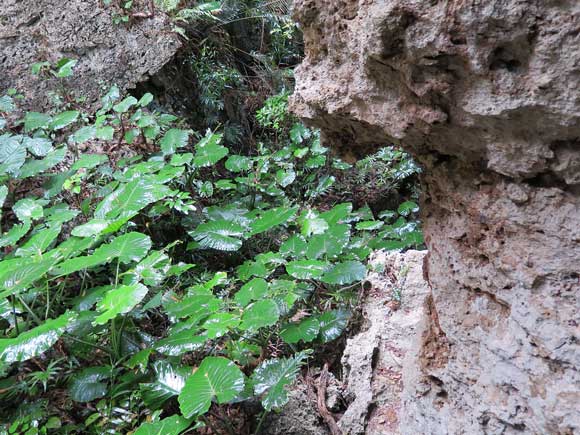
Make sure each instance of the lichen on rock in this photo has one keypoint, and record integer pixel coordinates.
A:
(485, 96)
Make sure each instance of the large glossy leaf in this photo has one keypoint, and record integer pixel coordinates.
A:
(179, 343)
(208, 151)
(63, 119)
(219, 324)
(173, 425)
(273, 376)
(38, 146)
(127, 248)
(251, 291)
(34, 167)
(18, 274)
(215, 377)
(295, 246)
(172, 140)
(35, 341)
(305, 330)
(222, 235)
(259, 314)
(306, 269)
(271, 218)
(330, 244)
(345, 273)
(119, 300)
(39, 242)
(34, 121)
(169, 381)
(12, 154)
(332, 324)
(195, 306)
(408, 207)
(311, 224)
(89, 384)
(237, 163)
(131, 198)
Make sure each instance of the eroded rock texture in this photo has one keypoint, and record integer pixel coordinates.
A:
(47, 30)
(486, 95)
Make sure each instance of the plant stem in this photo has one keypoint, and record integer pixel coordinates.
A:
(261, 422)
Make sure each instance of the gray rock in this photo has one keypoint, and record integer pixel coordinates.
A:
(47, 30)
(485, 96)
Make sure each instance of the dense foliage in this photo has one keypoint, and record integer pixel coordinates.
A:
(154, 280)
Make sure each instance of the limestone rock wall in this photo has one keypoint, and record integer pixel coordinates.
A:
(47, 30)
(486, 95)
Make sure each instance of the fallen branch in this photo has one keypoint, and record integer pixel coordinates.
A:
(321, 402)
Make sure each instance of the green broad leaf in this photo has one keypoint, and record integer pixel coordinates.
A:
(173, 140)
(35, 341)
(91, 228)
(130, 198)
(285, 178)
(89, 384)
(369, 225)
(105, 133)
(329, 244)
(14, 234)
(34, 167)
(345, 273)
(119, 300)
(295, 246)
(84, 134)
(408, 207)
(64, 67)
(28, 209)
(237, 163)
(216, 378)
(208, 151)
(63, 119)
(272, 218)
(272, 378)
(260, 314)
(127, 248)
(39, 242)
(315, 162)
(3, 195)
(35, 120)
(312, 224)
(220, 324)
(2, 123)
(180, 342)
(169, 381)
(332, 324)
(140, 359)
(306, 269)
(306, 330)
(17, 274)
(221, 235)
(145, 100)
(124, 105)
(181, 159)
(7, 104)
(12, 154)
(299, 132)
(337, 213)
(173, 425)
(254, 290)
(38, 146)
(195, 307)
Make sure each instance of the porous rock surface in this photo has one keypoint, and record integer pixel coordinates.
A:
(485, 94)
(48, 30)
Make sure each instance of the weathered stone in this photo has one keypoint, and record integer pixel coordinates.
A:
(382, 362)
(47, 30)
(485, 95)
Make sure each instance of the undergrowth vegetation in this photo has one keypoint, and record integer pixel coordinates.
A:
(160, 280)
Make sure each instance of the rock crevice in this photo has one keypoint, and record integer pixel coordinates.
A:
(485, 96)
